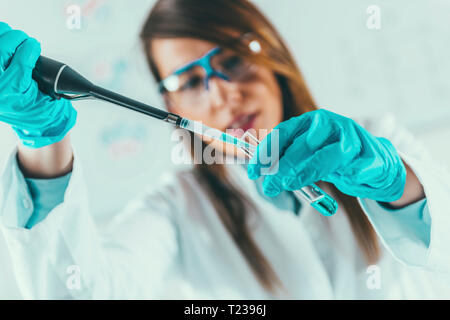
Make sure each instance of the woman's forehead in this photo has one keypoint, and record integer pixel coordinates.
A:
(171, 54)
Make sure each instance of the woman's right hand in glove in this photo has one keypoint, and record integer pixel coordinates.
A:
(38, 119)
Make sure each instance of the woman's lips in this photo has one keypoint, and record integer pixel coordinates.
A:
(242, 124)
(250, 122)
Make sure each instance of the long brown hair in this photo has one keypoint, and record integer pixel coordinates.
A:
(219, 21)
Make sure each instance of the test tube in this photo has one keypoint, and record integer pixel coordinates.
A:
(315, 196)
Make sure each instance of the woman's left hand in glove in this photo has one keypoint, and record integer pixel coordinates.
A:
(321, 145)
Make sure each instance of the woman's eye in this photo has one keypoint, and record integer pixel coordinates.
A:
(232, 63)
(192, 83)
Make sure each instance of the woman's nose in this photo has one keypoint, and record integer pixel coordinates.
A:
(221, 92)
(217, 96)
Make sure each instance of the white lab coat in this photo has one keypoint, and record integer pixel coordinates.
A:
(170, 243)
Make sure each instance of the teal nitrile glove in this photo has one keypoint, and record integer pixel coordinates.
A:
(38, 119)
(321, 145)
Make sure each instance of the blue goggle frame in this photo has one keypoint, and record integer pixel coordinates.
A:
(203, 62)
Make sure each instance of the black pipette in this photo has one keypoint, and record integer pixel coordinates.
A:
(60, 81)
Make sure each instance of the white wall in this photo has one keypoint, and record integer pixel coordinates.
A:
(401, 68)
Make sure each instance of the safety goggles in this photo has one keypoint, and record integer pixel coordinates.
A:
(188, 86)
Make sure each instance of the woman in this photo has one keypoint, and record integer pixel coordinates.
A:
(210, 232)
